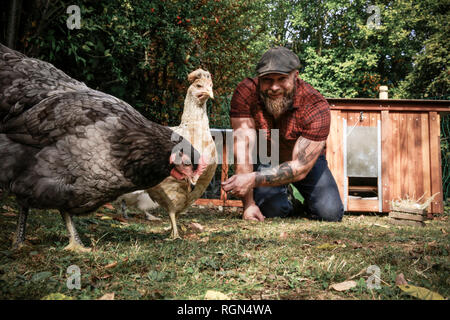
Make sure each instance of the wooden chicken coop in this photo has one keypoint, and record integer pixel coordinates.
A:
(378, 150)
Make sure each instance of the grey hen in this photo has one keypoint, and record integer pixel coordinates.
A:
(68, 147)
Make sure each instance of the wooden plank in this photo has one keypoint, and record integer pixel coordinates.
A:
(417, 151)
(218, 202)
(386, 158)
(224, 171)
(426, 170)
(407, 223)
(363, 188)
(403, 154)
(435, 162)
(411, 157)
(362, 205)
(334, 150)
(407, 216)
(407, 209)
(396, 179)
(352, 119)
(399, 108)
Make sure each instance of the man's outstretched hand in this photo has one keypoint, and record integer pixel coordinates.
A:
(253, 213)
(240, 184)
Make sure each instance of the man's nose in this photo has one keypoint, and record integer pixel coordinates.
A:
(275, 87)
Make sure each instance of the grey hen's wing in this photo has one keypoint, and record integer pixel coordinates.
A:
(69, 113)
(24, 82)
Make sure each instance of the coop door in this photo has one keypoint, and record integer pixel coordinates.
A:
(362, 152)
(362, 167)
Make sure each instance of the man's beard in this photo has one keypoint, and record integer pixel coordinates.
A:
(277, 106)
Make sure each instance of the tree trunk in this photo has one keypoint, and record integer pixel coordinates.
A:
(13, 19)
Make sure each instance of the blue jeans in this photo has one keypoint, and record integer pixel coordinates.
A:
(322, 199)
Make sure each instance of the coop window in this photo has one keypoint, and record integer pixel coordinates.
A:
(363, 187)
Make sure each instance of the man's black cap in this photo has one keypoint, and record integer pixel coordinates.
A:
(277, 60)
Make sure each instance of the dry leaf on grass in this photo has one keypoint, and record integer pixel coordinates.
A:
(196, 226)
(111, 265)
(421, 293)
(283, 235)
(400, 280)
(215, 295)
(107, 296)
(343, 286)
(109, 206)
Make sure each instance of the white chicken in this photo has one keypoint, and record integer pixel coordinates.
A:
(141, 200)
(172, 194)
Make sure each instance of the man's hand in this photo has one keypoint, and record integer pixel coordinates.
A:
(240, 184)
(253, 213)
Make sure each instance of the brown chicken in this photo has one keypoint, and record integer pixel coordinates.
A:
(171, 194)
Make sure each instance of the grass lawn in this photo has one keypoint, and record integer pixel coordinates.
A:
(277, 259)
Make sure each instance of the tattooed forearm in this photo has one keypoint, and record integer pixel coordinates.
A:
(276, 176)
(305, 155)
(308, 150)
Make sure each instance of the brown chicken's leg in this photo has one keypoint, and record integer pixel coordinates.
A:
(173, 221)
(19, 237)
(75, 243)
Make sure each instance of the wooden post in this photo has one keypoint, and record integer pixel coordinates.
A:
(386, 159)
(224, 174)
(435, 161)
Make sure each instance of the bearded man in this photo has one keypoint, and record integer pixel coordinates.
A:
(278, 99)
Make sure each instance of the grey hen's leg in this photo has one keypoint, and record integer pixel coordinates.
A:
(19, 237)
(75, 243)
(124, 209)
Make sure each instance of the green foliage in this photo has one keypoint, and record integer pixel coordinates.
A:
(142, 51)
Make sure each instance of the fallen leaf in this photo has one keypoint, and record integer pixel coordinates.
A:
(196, 226)
(343, 286)
(380, 225)
(421, 293)
(7, 208)
(400, 280)
(107, 296)
(56, 296)
(111, 265)
(109, 206)
(215, 295)
(106, 218)
(283, 235)
(121, 219)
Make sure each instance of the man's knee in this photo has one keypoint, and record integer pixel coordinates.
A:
(332, 211)
(275, 206)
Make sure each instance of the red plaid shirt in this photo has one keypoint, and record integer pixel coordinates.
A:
(308, 117)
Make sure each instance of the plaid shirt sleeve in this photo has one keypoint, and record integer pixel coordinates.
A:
(243, 98)
(316, 116)
(316, 120)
